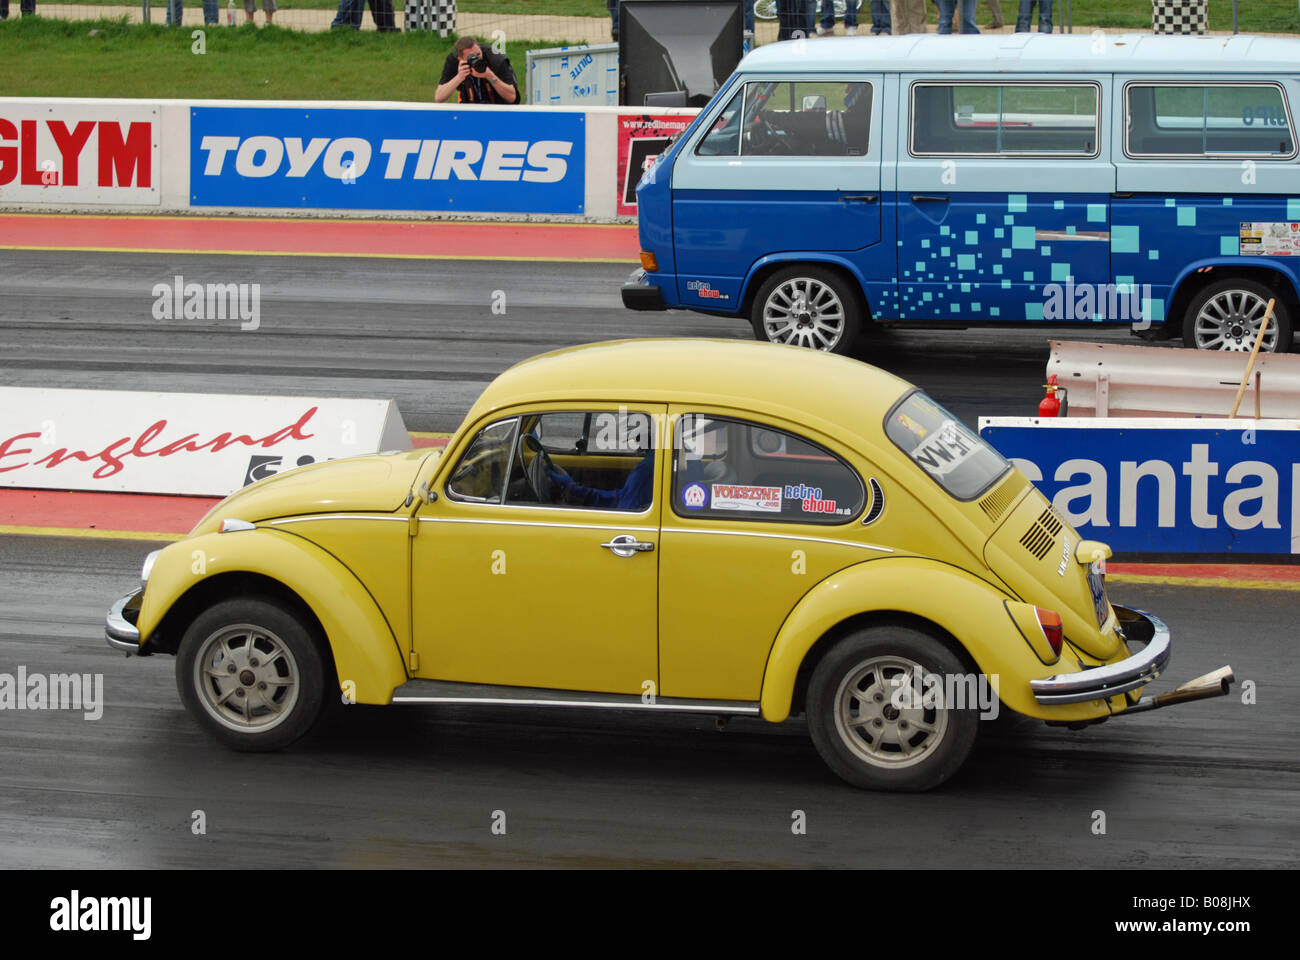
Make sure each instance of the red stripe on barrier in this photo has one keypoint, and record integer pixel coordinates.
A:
(394, 238)
(1279, 573)
(137, 512)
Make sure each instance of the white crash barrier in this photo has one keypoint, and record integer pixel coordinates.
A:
(179, 443)
(1113, 380)
(326, 158)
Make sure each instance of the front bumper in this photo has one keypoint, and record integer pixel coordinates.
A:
(120, 630)
(640, 294)
(1100, 683)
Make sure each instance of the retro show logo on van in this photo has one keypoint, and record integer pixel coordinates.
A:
(388, 159)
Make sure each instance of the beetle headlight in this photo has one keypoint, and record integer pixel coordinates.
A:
(148, 567)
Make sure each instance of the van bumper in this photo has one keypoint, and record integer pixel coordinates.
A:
(640, 294)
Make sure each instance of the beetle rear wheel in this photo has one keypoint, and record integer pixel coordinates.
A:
(251, 673)
(1227, 316)
(874, 715)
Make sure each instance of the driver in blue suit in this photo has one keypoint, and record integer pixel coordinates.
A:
(635, 494)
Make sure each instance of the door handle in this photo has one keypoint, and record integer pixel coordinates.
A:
(860, 197)
(927, 198)
(626, 545)
(1121, 196)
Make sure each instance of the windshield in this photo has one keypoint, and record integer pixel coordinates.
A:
(944, 447)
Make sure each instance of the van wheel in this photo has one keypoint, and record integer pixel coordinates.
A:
(867, 721)
(808, 306)
(1227, 315)
(251, 673)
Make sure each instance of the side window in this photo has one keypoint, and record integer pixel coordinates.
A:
(601, 459)
(480, 476)
(1189, 120)
(733, 469)
(793, 119)
(1014, 119)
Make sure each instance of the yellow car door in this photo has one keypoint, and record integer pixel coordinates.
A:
(537, 564)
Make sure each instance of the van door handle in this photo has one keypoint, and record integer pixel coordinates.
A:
(1121, 196)
(925, 197)
(860, 197)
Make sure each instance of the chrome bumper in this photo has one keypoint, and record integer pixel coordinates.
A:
(1099, 683)
(119, 627)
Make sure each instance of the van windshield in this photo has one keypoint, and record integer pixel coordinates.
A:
(944, 447)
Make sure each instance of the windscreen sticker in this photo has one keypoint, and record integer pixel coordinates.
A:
(1270, 239)
(910, 425)
(734, 497)
(694, 496)
(950, 447)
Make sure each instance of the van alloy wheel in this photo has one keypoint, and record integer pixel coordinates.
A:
(1227, 316)
(808, 306)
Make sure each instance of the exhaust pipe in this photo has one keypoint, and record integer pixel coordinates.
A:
(1214, 684)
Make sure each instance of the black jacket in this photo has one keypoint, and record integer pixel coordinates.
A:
(476, 90)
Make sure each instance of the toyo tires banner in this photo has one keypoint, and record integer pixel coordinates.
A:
(1164, 485)
(474, 160)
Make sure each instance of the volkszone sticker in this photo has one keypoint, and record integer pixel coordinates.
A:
(732, 497)
(694, 496)
(1270, 239)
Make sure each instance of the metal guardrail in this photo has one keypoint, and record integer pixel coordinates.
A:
(1115, 380)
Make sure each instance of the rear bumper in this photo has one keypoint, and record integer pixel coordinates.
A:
(640, 294)
(1100, 683)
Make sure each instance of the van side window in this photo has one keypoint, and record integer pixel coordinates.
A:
(800, 119)
(954, 119)
(1193, 120)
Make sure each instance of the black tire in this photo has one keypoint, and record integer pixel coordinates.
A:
(832, 322)
(277, 675)
(856, 736)
(1232, 312)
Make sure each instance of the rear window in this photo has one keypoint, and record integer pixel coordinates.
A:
(950, 452)
(1208, 120)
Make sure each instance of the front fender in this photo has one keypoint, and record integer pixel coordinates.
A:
(970, 609)
(364, 647)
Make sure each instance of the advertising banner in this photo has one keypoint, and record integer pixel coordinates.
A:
(641, 138)
(74, 153)
(1164, 485)
(471, 160)
(181, 443)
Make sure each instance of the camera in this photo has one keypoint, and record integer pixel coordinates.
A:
(475, 62)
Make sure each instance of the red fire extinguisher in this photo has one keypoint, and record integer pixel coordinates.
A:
(1050, 405)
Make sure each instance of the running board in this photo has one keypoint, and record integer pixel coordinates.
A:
(446, 691)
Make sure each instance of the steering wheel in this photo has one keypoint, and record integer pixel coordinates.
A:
(765, 138)
(537, 473)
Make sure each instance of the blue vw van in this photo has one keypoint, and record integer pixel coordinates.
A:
(837, 184)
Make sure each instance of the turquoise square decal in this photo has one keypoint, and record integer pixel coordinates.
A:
(1154, 309)
(1292, 208)
(954, 307)
(943, 230)
(1033, 311)
(1029, 275)
(980, 218)
(997, 268)
(1046, 251)
(1060, 272)
(1124, 281)
(975, 307)
(972, 237)
(1124, 239)
(1006, 284)
(925, 244)
(1006, 252)
(1187, 216)
(1018, 202)
(1169, 201)
(994, 311)
(965, 261)
(1022, 238)
(998, 233)
(1096, 213)
(920, 267)
(1153, 254)
(965, 288)
(1227, 201)
(945, 251)
(927, 296)
(1058, 204)
(1071, 229)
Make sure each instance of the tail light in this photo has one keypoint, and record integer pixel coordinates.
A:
(1050, 621)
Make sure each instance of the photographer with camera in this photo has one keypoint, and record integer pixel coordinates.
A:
(480, 76)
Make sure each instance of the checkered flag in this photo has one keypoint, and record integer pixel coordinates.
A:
(437, 15)
(1180, 16)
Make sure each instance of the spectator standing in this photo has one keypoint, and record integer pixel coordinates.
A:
(948, 12)
(880, 22)
(827, 25)
(1027, 15)
(349, 14)
(250, 7)
(477, 75)
(995, 9)
(28, 8)
(907, 16)
(175, 15)
(381, 11)
(612, 7)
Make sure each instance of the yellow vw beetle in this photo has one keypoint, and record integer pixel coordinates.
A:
(726, 528)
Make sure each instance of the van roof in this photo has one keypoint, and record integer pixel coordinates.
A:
(1030, 52)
